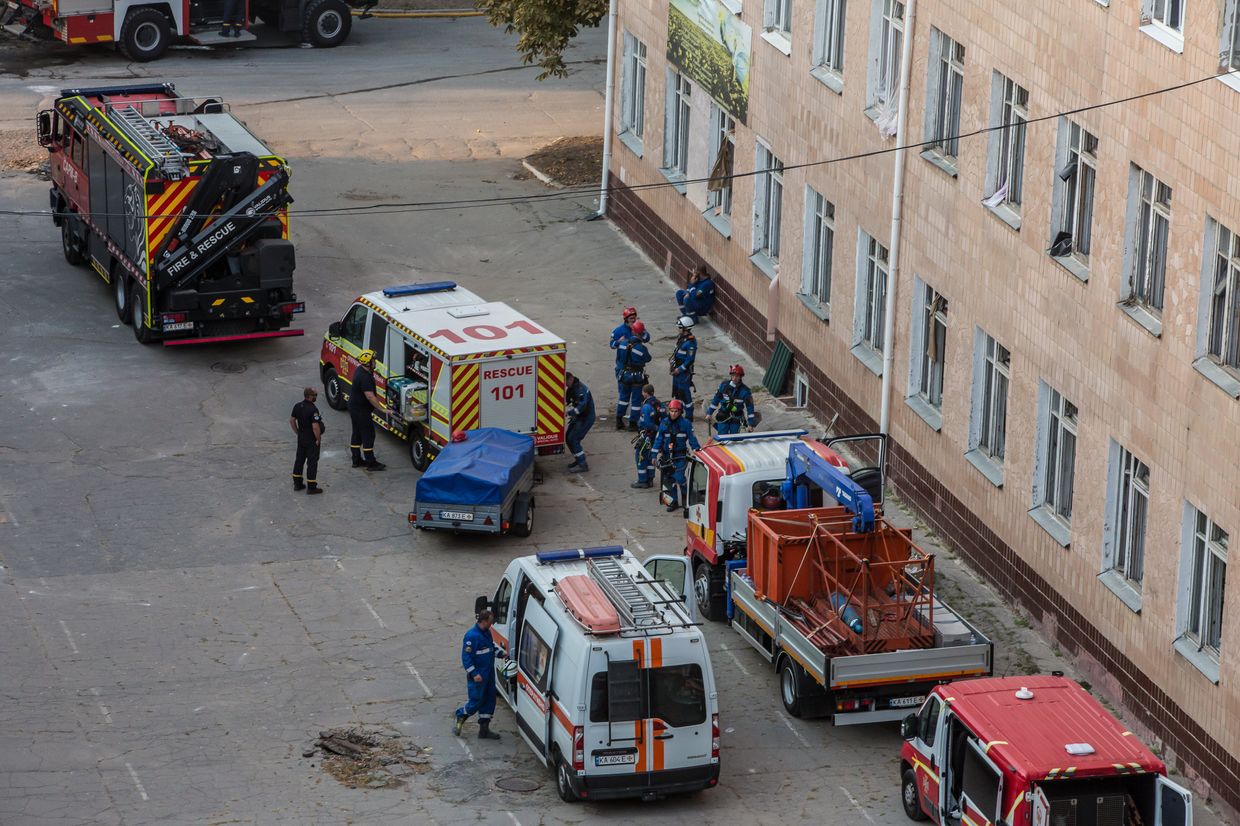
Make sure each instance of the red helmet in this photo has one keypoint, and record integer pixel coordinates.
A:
(772, 501)
(639, 328)
(675, 404)
(629, 312)
(736, 370)
(458, 436)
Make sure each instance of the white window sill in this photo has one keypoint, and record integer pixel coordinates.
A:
(633, 142)
(1006, 213)
(930, 414)
(1230, 78)
(1169, 37)
(940, 160)
(721, 222)
(830, 78)
(823, 311)
(765, 263)
(733, 6)
(867, 355)
(781, 40)
(1050, 522)
(1204, 661)
(1220, 375)
(987, 465)
(1074, 265)
(1146, 317)
(1122, 588)
(676, 177)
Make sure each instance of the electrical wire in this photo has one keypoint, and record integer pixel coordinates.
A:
(405, 207)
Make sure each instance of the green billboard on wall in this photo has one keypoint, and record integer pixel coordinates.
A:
(710, 45)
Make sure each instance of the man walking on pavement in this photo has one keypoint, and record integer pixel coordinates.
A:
(675, 443)
(732, 405)
(681, 364)
(633, 357)
(308, 425)
(579, 406)
(478, 660)
(363, 399)
(619, 338)
(648, 419)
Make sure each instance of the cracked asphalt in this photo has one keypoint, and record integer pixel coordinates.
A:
(178, 624)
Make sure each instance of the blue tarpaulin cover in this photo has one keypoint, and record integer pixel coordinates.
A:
(479, 470)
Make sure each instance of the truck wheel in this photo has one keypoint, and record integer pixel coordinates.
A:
(708, 591)
(327, 23)
(523, 517)
(120, 288)
(790, 686)
(563, 784)
(909, 796)
(145, 35)
(419, 451)
(333, 390)
(137, 306)
(70, 244)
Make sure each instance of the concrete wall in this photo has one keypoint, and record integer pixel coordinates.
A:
(1129, 385)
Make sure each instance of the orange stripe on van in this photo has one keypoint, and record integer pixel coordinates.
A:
(656, 653)
(562, 716)
(639, 731)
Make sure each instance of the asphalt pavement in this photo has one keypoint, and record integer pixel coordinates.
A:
(179, 624)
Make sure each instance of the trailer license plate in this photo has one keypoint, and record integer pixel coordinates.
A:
(178, 325)
(456, 516)
(907, 702)
(615, 759)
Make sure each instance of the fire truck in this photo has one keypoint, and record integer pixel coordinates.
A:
(144, 29)
(178, 207)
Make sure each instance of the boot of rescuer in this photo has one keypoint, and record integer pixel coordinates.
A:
(484, 731)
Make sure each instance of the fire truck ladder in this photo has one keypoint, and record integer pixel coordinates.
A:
(154, 144)
(637, 611)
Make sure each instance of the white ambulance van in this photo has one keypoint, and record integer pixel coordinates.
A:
(609, 674)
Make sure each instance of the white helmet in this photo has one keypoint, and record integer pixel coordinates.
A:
(685, 322)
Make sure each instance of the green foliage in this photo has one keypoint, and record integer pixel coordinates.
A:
(707, 62)
(545, 27)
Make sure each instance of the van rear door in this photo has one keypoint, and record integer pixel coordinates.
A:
(535, 660)
(1175, 804)
(679, 712)
(509, 394)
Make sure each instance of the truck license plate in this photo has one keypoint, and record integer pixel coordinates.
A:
(179, 325)
(622, 759)
(456, 516)
(907, 702)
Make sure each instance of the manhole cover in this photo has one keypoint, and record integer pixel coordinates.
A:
(228, 367)
(518, 784)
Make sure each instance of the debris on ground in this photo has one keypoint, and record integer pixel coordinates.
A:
(370, 757)
(568, 161)
(20, 152)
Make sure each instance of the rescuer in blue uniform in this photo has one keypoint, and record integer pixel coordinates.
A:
(619, 338)
(634, 356)
(680, 364)
(698, 298)
(675, 443)
(732, 405)
(648, 419)
(579, 405)
(478, 659)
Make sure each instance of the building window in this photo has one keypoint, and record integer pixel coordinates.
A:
(946, 82)
(992, 370)
(1056, 456)
(1131, 501)
(800, 391)
(1163, 20)
(767, 202)
(1074, 192)
(723, 145)
(633, 88)
(1206, 569)
(819, 246)
(1229, 47)
(929, 343)
(1007, 144)
(871, 293)
(1221, 297)
(886, 42)
(829, 35)
(1148, 227)
(777, 18)
(676, 136)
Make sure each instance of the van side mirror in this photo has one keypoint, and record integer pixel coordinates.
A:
(333, 329)
(481, 604)
(44, 121)
(908, 727)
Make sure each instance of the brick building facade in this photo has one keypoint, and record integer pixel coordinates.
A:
(1067, 326)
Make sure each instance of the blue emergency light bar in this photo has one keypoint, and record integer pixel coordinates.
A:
(551, 557)
(419, 289)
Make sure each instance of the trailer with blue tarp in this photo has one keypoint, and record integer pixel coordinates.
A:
(481, 483)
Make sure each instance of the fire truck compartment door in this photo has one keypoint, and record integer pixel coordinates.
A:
(535, 655)
(68, 8)
(1175, 804)
(509, 394)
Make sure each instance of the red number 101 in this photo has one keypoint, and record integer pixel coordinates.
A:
(509, 392)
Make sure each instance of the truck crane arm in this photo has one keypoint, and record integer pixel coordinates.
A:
(806, 467)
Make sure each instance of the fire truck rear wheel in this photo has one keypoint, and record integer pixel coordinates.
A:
(145, 35)
(120, 288)
(333, 390)
(909, 797)
(71, 244)
(708, 591)
(141, 332)
(327, 23)
(790, 686)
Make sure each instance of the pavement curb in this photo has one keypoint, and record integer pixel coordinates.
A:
(540, 175)
(400, 14)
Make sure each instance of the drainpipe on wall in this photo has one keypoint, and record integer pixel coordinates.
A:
(608, 95)
(772, 306)
(897, 208)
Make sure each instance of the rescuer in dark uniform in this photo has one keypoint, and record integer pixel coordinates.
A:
(308, 425)
(362, 400)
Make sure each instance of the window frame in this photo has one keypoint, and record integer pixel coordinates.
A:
(363, 311)
(767, 204)
(816, 267)
(1229, 39)
(934, 313)
(1220, 339)
(1010, 117)
(996, 373)
(1201, 612)
(890, 48)
(1132, 489)
(945, 96)
(872, 289)
(1076, 183)
(1058, 455)
(1147, 271)
(723, 127)
(777, 18)
(830, 21)
(633, 89)
(679, 111)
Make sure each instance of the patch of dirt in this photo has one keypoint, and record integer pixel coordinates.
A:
(425, 5)
(368, 757)
(20, 151)
(570, 161)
